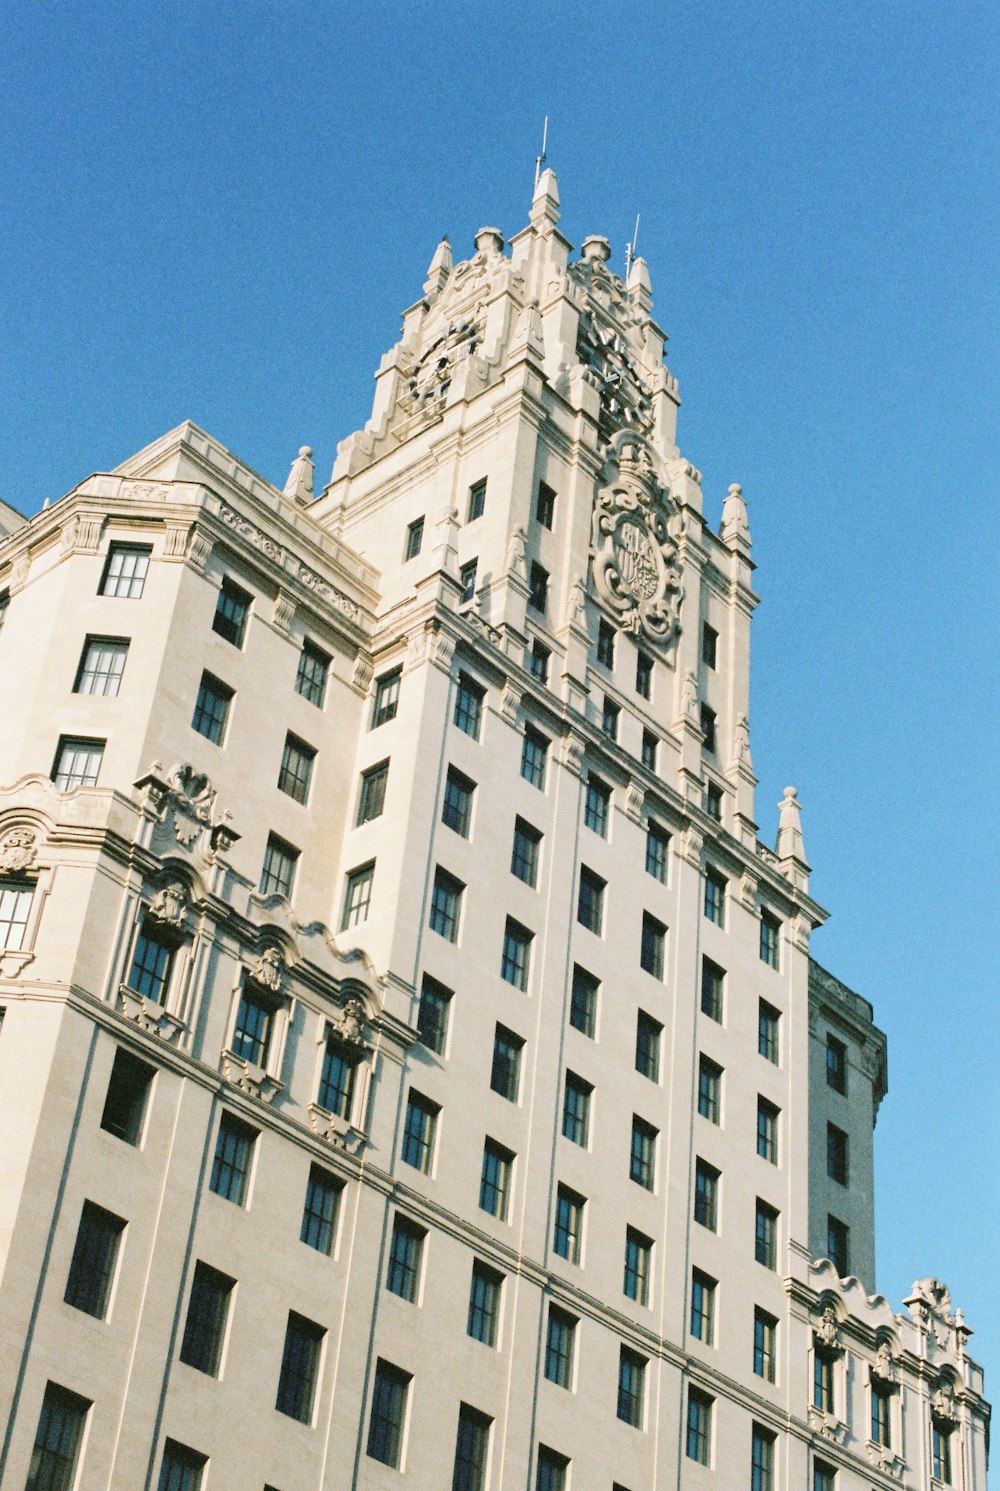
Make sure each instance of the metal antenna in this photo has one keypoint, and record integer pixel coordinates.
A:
(540, 159)
(630, 249)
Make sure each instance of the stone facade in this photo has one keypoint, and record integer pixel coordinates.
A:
(403, 1023)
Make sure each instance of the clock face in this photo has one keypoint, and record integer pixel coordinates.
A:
(430, 375)
(625, 396)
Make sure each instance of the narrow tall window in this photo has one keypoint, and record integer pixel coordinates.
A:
(583, 1001)
(836, 1064)
(126, 570)
(823, 1382)
(653, 947)
(712, 801)
(537, 660)
(405, 1254)
(211, 709)
(707, 720)
(709, 645)
(277, 876)
(597, 806)
(590, 901)
(538, 587)
(319, 1215)
(127, 1096)
(152, 963)
(525, 853)
(477, 500)
(767, 1130)
(101, 666)
(252, 1028)
(657, 852)
(766, 1235)
(296, 768)
(941, 1453)
(638, 1256)
(446, 904)
(95, 1255)
(515, 961)
(385, 1427)
(650, 745)
(610, 715)
(534, 757)
(643, 674)
(77, 763)
(881, 1416)
(642, 1160)
(337, 1077)
(837, 1162)
(57, 1440)
(770, 939)
(551, 1471)
(432, 1016)
(715, 897)
(567, 1229)
(709, 1089)
(15, 904)
(456, 806)
(648, 1038)
(181, 1468)
(713, 982)
(605, 644)
(232, 611)
(706, 1195)
(560, 1336)
(484, 1303)
(576, 1110)
(386, 700)
(472, 1449)
(419, 1130)
(312, 673)
(357, 896)
(699, 1426)
(467, 579)
(765, 1342)
(545, 505)
(505, 1077)
(703, 1307)
(469, 698)
(838, 1249)
(767, 1031)
(371, 799)
(494, 1183)
(208, 1311)
(299, 1368)
(414, 539)
(761, 1459)
(631, 1386)
(234, 1146)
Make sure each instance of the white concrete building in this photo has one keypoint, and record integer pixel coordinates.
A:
(412, 1068)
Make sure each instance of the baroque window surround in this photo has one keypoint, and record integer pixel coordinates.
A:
(24, 865)
(162, 914)
(344, 1030)
(262, 984)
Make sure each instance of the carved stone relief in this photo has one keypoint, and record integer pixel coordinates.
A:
(169, 905)
(636, 570)
(18, 850)
(349, 1022)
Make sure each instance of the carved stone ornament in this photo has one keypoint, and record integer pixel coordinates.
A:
(18, 850)
(170, 904)
(636, 571)
(510, 700)
(349, 1022)
(428, 377)
(194, 790)
(515, 552)
(249, 1078)
(828, 1330)
(148, 1015)
(269, 969)
(335, 1130)
(884, 1366)
(943, 1406)
(576, 611)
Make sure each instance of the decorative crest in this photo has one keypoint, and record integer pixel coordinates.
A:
(170, 904)
(636, 570)
(18, 850)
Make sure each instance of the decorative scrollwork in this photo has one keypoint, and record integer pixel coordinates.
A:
(636, 568)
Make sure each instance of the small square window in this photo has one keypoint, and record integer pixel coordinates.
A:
(446, 905)
(545, 505)
(837, 1162)
(709, 1089)
(583, 1001)
(648, 1038)
(538, 587)
(211, 709)
(495, 1181)
(299, 1368)
(650, 745)
(77, 763)
(95, 1256)
(477, 500)
(576, 1110)
(526, 852)
(567, 1230)
(467, 580)
(388, 1416)
(371, 798)
(15, 904)
(610, 715)
(606, 644)
(419, 1130)
(643, 674)
(642, 1161)
(432, 1016)
(597, 806)
(515, 961)
(101, 666)
(386, 701)
(653, 948)
(770, 939)
(715, 897)
(127, 1096)
(709, 645)
(708, 727)
(406, 1249)
(706, 1195)
(456, 807)
(713, 983)
(505, 1076)
(703, 1307)
(485, 1296)
(208, 1312)
(181, 1469)
(538, 657)
(414, 539)
(766, 1235)
(767, 1130)
(319, 1214)
(296, 768)
(638, 1260)
(631, 1386)
(590, 901)
(560, 1338)
(712, 801)
(534, 757)
(836, 1064)
(313, 672)
(234, 1146)
(232, 611)
(765, 1344)
(125, 571)
(698, 1444)
(277, 876)
(657, 852)
(767, 1031)
(469, 698)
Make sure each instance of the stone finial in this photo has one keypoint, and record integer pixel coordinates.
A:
(735, 527)
(596, 249)
(790, 844)
(299, 486)
(527, 336)
(639, 285)
(439, 268)
(489, 241)
(545, 203)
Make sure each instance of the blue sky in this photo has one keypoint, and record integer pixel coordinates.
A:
(218, 212)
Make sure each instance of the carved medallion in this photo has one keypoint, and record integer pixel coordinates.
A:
(18, 850)
(636, 569)
(269, 969)
(348, 1023)
(169, 905)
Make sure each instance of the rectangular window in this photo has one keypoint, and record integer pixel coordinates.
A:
(446, 904)
(576, 1110)
(643, 674)
(597, 806)
(277, 875)
(296, 768)
(233, 1156)
(770, 939)
(432, 1016)
(299, 1368)
(545, 505)
(767, 1130)
(494, 1183)
(419, 1131)
(534, 757)
(371, 799)
(252, 1030)
(472, 1449)
(823, 1384)
(707, 720)
(505, 1078)
(152, 961)
(560, 1338)
(836, 1064)
(15, 904)
(485, 1294)
(610, 714)
(125, 571)
(706, 1195)
(649, 748)
(477, 500)
(385, 1427)
(312, 673)
(703, 1307)
(127, 1096)
(606, 644)
(824, 1477)
(95, 1255)
(838, 1249)
(766, 1235)
(101, 666)
(211, 709)
(469, 706)
(515, 961)
(712, 801)
(456, 806)
(765, 1344)
(232, 611)
(386, 700)
(941, 1453)
(631, 1386)
(767, 1031)
(538, 587)
(657, 852)
(525, 853)
(551, 1470)
(709, 645)
(537, 659)
(337, 1078)
(648, 1037)
(405, 1253)
(57, 1440)
(713, 983)
(715, 897)
(567, 1230)
(837, 1163)
(642, 1160)
(638, 1257)
(181, 1468)
(653, 948)
(709, 1089)
(319, 1215)
(761, 1458)
(208, 1311)
(583, 1001)
(590, 901)
(467, 580)
(414, 539)
(881, 1417)
(77, 763)
(699, 1426)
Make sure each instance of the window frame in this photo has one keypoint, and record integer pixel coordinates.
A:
(545, 505)
(390, 1396)
(710, 1075)
(467, 577)
(86, 747)
(642, 1153)
(233, 1170)
(138, 1097)
(212, 708)
(371, 792)
(605, 644)
(298, 758)
(577, 1093)
(434, 1029)
(768, 1121)
(233, 608)
(279, 855)
(447, 894)
(707, 1180)
(638, 1269)
(301, 1366)
(698, 1426)
(766, 1219)
(127, 586)
(414, 540)
(115, 648)
(419, 1134)
(90, 1279)
(515, 956)
(470, 698)
(526, 852)
(631, 1386)
(765, 1345)
(207, 1319)
(658, 852)
(560, 1347)
(597, 806)
(319, 1222)
(648, 1046)
(701, 1320)
(385, 697)
(404, 1263)
(590, 900)
(312, 673)
(769, 1032)
(496, 1183)
(534, 757)
(538, 587)
(653, 946)
(17, 899)
(485, 1306)
(770, 938)
(505, 1071)
(585, 991)
(567, 1224)
(457, 802)
(713, 990)
(476, 504)
(714, 904)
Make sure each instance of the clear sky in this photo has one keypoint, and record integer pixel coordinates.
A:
(217, 212)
